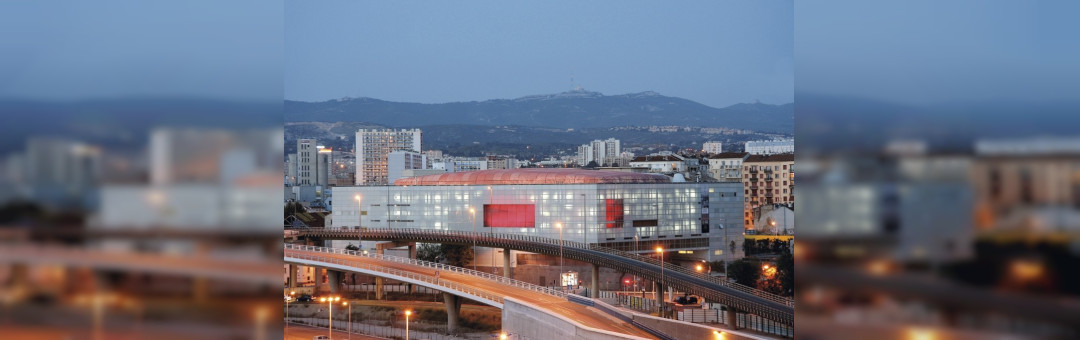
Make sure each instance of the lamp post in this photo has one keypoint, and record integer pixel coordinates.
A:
(407, 313)
(558, 225)
(359, 221)
(330, 301)
(288, 299)
(660, 304)
(472, 216)
(346, 303)
(635, 253)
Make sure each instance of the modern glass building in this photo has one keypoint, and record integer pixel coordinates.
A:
(627, 211)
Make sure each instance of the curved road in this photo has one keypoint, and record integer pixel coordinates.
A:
(199, 266)
(587, 316)
(754, 301)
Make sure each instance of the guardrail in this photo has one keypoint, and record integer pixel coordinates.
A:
(435, 266)
(739, 296)
(464, 289)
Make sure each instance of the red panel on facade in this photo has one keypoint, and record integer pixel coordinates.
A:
(509, 216)
(614, 212)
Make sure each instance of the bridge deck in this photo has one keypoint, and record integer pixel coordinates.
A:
(587, 316)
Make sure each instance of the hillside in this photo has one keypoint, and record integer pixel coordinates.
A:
(574, 109)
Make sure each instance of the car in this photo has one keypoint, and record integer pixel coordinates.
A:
(320, 337)
(305, 298)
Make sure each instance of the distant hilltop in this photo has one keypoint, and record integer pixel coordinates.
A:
(571, 109)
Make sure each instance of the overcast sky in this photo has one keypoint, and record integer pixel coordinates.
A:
(715, 52)
(928, 52)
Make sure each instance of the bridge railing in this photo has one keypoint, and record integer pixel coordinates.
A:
(400, 273)
(580, 245)
(436, 266)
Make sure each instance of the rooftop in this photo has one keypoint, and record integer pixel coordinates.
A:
(783, 157)
(728, 155)
(533, 176)
(657, 158)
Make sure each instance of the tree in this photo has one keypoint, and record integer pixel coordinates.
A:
(717, 266)
(457, 255)
(785, 273)
(352, 247)
(592, 164)
(744, 272)
(451, 254)
(293, 208)
(749, 246)
(428, 252)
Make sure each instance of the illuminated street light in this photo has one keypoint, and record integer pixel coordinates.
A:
(330, 301)
(659, 305)
(407, 313)
(346, 303)
(288, 299)
(472, 216)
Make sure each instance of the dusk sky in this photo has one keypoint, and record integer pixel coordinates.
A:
(718, 53)
(928, 52)
(75, 50)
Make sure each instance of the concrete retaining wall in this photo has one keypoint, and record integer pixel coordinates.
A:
(528, 322)
(685, 330)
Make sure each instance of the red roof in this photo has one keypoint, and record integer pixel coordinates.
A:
(533, 176)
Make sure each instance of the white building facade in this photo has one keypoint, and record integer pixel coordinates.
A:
(627, 211)
(712, 147)
(374, 145)
(770, 147)
(603, 152)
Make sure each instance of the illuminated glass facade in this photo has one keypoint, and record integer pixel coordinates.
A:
(701, 218)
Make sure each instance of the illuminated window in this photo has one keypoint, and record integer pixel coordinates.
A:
(614, 213)
(509, 215)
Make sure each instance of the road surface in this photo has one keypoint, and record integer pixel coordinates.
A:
(587, 316)
(301, 332)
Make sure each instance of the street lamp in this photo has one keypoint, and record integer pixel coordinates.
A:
(359, 221)
(635, 253)
(472, 216)
(407, 313)
(346, 303)
(558, 225)
(659, 304)
(288, 299)
(330, 301)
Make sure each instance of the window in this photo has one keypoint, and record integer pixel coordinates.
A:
(614, 213)
(509, 216)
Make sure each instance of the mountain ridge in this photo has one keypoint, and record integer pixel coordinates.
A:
(571, 109)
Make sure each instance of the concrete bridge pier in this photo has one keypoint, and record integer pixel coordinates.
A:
(294, 276)
(453, 311)
(333, 278)
(730, 318)
(412, 255)
(506, 262)
(594, 283)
